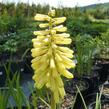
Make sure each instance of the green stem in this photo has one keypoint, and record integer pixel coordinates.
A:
(81, 97)
(53, 104)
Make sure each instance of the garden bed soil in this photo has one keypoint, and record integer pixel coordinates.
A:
(105, 90)
(71, 86)
(104, 105)
(68, 101)
(90, 101)
(104, 72)
(27, 64)
(93, 81)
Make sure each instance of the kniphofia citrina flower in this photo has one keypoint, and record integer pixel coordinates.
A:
(51, 59)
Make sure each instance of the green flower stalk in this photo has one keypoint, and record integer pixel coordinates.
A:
(50, 59)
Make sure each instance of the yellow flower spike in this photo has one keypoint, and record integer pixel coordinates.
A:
(41, 17)
(59, 20)
(50, 59)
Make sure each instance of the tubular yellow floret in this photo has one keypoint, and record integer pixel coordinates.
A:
(60, 28)
(43, 25)
(51, 13)
(62, 35)
(40, 33)
(42, 17)
(59, 20)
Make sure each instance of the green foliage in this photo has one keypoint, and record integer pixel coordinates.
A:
(14, 90)
(39, 97)
(96, 29)
(17, 92)
(83, 25)
(17, 25)
(16, 43)
(10, 46)
(85, 46)
(11, 24)
(4, 22)
(102, 42)
(4, 95)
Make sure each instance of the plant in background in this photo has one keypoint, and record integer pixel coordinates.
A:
(1, 49)
(17, 92)
(85, 46)
(50, 59)
(102, 50)
(39, 97)
(4, 95)
(10, 46)
(12, 91)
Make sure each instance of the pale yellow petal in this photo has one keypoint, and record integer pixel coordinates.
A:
(54, 73)
(59, 81)
(56, 96)
(52, 63)
(62, 92)
(58, 57)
